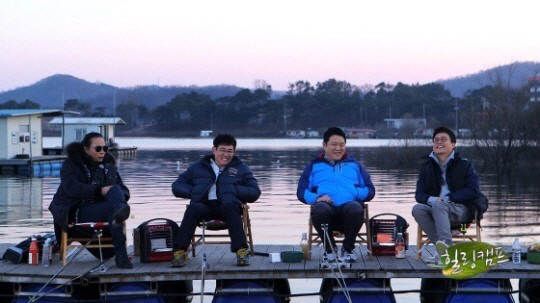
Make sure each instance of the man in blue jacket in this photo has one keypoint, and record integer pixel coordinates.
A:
(217, 185)
(336, 186)
(447, 191)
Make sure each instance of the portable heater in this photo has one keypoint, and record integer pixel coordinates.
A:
(153, 240)
(384, 232)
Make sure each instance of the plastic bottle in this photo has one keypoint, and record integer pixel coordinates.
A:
(400, 246)
(46, 256)
(305, 247)
(33, 252)
(516, 251)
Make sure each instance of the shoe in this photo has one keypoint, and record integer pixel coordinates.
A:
(441, 247)
(348, 256)
(123, 262)
(242, 257)
(121, 213)
(179, 258)
(329, 257)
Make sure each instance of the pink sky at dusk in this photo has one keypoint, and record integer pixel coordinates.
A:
(128, 43)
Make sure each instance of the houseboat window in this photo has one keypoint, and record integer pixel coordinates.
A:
(24, 133)
(80, 133)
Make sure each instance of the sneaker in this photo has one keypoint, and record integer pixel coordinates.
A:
(242, 257)
(441, 247)
(348, 256)
(179, 258)
(329, 257)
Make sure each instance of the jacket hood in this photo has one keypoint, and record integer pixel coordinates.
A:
(75, 152)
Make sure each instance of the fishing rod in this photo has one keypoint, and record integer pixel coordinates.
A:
(343, 285)
(204, 263)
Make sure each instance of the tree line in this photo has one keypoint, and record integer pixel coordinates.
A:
(501, 120)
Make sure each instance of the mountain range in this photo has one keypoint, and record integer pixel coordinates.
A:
(50, 92)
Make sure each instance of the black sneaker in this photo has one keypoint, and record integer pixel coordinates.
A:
(123, 262)
(242, 257)
(121, 213)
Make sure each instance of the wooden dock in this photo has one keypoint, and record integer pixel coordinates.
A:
(222, 265)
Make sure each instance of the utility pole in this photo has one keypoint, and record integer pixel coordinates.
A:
(456, 108)
(284, 117)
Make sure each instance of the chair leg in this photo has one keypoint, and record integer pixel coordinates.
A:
(419, 242)
(368, 228)
(63, 247)
(310, 236)
(247, 229)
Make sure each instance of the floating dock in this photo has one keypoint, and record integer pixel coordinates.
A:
(222, 265)
(36, 166)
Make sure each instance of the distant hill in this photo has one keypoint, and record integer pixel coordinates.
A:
(518, 73)
(48, 92)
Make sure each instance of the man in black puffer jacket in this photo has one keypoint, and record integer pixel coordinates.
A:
(91, 190)
(217, 185)
(447, 191)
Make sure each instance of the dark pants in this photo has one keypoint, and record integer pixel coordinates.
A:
(231, 213)
(347, 218)
(102, 211)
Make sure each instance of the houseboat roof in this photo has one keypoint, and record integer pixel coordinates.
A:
(4, 113)
(89, 120)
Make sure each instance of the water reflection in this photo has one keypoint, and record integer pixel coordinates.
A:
(277, 217)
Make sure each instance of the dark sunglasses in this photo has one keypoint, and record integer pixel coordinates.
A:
(99, 148)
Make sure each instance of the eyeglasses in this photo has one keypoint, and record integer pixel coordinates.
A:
(98, 148)
(225, 151)
(440, 140)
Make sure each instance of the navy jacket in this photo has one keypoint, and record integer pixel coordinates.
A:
(461, 178)
(80, 180)
(235, 183)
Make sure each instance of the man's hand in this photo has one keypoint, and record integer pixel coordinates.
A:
(105, 190)
(325, 198)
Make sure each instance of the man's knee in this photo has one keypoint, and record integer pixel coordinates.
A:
(420, 210)
(354, 209)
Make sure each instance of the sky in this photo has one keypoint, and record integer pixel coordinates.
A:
(129, 43)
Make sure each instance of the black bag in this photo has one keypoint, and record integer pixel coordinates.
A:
(154, 240)
(19, 253)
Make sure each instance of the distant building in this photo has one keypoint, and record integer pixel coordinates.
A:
(534, 89)
(74, 129)
(423, 133)
(20, 132)
(313, 134)
(205, 133)
(359, 132)
(400, 123)
(296, 134)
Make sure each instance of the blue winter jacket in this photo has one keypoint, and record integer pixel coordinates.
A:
(344, 181)
(235, 183)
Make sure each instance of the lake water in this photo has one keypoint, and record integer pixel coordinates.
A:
(277, 217)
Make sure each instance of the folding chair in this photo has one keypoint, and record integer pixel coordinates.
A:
(363, 237)
(459, 234)
(101, 245)
(217, 232)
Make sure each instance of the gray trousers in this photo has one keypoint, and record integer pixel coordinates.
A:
(436, 219)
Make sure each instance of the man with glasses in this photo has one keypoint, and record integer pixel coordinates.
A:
(217, 185)
(447, 191)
